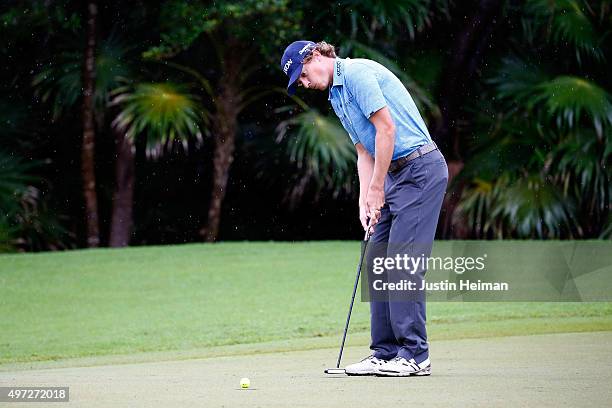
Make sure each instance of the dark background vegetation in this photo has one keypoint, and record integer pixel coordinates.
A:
(195, 140)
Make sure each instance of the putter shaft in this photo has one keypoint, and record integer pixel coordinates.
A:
(366, 239)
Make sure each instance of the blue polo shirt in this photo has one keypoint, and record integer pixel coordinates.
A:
(360, 88)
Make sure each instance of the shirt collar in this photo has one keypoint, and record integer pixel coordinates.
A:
(338, 78)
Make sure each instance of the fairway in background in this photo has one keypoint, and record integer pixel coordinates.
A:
(145, 299)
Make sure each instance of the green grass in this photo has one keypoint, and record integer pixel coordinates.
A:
(190, 297)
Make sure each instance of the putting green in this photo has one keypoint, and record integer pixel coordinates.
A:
(566, 369)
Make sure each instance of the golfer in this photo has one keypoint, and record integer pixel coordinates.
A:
(402, 181)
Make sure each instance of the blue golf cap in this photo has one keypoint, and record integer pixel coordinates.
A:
(291, 63)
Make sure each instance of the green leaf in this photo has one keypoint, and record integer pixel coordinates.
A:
(161, 112)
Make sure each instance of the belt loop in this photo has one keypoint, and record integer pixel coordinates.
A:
(419, 152)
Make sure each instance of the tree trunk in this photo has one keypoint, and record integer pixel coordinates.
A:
(88, 147)
(123, 197)
(465, 58)
(225, 124)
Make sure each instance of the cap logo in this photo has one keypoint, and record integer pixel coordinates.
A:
(304, 49)
(287, 65)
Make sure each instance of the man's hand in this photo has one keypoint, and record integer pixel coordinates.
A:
(374, 202)
(363, 216)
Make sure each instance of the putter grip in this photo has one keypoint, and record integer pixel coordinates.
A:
(367, 233)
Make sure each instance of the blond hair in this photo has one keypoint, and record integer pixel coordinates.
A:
(325, 49)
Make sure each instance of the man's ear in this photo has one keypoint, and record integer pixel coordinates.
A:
(316, 53)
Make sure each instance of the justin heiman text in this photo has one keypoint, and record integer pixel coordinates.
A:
(444, 285)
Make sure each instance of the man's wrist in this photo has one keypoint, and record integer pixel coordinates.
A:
(376, 186)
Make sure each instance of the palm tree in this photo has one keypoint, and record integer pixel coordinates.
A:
(59, 84)
(229, 29)
(162, 113)
(88, 145)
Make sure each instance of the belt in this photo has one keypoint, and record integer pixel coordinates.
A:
(421, 151)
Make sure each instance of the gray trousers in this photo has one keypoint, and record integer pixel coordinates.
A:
(413, 198)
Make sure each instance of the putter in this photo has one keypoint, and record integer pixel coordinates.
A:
(337, 369)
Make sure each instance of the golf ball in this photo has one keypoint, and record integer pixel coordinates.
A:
(245, 383)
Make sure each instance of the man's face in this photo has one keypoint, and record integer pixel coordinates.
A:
(315, 74)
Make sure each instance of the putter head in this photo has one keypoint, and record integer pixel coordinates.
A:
(335, 371)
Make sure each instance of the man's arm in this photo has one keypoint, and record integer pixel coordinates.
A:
(365, 169)
(385, 141)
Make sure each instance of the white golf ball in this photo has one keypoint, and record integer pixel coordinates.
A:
(245, 383)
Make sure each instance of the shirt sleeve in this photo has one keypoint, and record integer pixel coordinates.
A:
(363, 85)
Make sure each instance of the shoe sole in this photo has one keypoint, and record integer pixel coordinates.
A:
(362, 373)
(424, 372)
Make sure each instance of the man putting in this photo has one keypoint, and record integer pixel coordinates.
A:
(402, 181)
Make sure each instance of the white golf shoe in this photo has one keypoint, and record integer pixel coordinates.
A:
(368, 366)
(400, 367)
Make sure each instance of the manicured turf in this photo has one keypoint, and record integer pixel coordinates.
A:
(101, 302)
(563, 370)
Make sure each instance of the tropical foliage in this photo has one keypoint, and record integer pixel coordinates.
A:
(517, 94)
(562, 116)
(25, 220)
(166, 112)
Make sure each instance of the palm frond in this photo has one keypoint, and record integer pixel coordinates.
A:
(516, 79)
(579, 165)
(14, 180)
(321, 150)
(59, 82)
(421, 96)
(567, 21)
(508, 145)
(36, 227)
(566, 98)
(535, 208)
(523, 87)
(475, 205)
(523, 207)
(161, 112)
(25, 220)
(414, 15)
